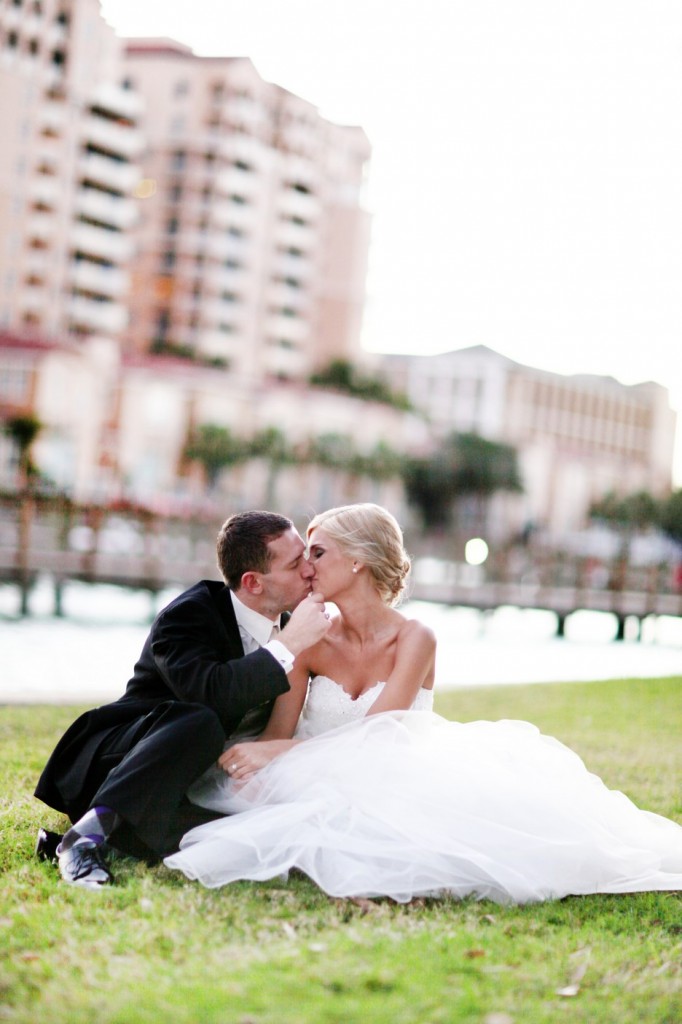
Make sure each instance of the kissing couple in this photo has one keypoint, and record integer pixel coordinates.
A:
(260, 733)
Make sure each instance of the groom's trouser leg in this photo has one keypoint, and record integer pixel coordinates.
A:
(153, 762)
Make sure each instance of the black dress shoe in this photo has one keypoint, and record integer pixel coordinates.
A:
(46, 845)
(82, 865)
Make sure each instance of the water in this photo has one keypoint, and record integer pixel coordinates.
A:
(87, 656)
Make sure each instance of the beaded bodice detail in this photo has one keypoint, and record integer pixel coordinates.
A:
(328, 705)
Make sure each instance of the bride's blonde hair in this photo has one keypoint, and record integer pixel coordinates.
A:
(370, 534)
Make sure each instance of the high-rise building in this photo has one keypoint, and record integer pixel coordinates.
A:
(67, 171)
(253, 239)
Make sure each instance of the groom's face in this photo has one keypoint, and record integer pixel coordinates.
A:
(288, 580)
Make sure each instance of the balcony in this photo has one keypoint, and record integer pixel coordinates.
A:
(40, 226)
(228, 214)
(190, 243)
(216, 343)
(297, 267)
(37, 263)
(91, 277)
(297, 236)
(307, 172)
(117, 100)
(46, 190)
(242, 147)
(292, 328)
(99, 242)
(298, 204)
(219, 279)
(280, 294)
(287, 362)
(48, 154)
(233, 181)
(52, 116)
(115, 138)
(223, 247)
(216, 312)
(109, 173)
(114, 210)
(33, 299)
(104, 317)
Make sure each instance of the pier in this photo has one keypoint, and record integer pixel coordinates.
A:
(149, 552)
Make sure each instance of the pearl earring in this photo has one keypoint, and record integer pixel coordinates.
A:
(355, 568)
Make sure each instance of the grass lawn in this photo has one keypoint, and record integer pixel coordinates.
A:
(157, 947)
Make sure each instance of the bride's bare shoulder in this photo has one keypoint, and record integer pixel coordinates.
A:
(414, 631)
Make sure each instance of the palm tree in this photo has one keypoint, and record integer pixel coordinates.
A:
(23, 430)
(464, 467)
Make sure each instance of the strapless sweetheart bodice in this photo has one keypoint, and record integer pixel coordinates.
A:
(328, 706)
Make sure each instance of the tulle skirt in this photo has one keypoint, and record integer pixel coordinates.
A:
(407, 804)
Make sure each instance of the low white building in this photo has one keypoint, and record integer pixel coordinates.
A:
(577, 437)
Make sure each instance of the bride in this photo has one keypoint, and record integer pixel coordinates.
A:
(357, 783)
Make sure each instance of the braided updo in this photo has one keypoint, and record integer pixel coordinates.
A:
(370, 534)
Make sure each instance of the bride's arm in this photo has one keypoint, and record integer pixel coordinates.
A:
(414, 667)
(243, 759)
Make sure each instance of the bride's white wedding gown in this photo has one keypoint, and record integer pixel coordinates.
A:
(407, 803)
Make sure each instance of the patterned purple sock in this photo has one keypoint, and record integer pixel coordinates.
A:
(96, 825)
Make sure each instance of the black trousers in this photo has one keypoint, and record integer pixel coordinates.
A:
(142, 770)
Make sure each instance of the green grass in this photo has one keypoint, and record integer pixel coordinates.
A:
(156, 947)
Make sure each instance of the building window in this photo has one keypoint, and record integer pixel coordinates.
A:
(14, 384)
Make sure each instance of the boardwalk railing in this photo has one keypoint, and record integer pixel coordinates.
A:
(142, 551)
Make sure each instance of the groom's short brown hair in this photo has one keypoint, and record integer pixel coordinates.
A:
(243, 543)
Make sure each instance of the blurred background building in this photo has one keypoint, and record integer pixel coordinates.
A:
(183, 245)
(577, 437)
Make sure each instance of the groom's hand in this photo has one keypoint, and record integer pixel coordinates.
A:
(308, 623)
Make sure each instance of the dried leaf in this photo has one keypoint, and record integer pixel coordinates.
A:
(473, 953)
(577, 975)
(366, 906)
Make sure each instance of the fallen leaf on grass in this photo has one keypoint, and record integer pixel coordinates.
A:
(366, 906)
(573, 987)
(568, 990)
(471, 954)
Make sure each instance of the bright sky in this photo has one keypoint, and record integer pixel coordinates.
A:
(526, 178)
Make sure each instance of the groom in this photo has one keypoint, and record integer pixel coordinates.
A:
(209, 671)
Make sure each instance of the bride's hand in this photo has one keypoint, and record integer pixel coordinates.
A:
(243, 759)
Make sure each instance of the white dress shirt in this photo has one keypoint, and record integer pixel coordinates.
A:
(257, 630)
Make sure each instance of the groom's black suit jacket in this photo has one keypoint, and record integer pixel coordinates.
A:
(191, 689)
